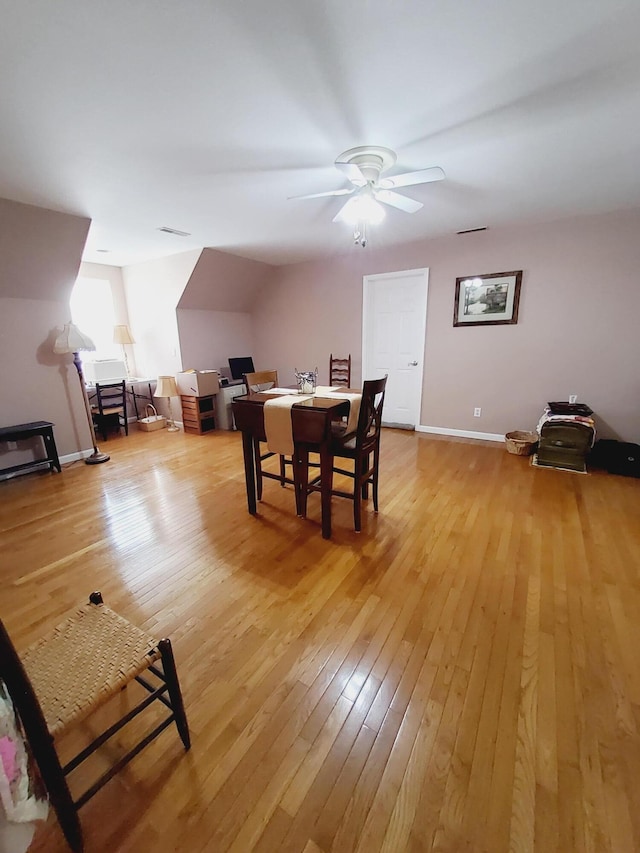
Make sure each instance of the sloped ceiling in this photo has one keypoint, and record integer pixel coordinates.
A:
(40, 251)
(224, 282)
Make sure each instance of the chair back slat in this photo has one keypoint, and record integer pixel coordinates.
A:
(340, 371)
(110, 395)
(370, 418)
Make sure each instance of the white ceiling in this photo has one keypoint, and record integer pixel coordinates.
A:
(206, 115)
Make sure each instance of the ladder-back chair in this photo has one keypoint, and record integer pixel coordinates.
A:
(61, 679)
(340, 371)
(110, 407)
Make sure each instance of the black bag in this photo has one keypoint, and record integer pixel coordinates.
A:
(617, 457)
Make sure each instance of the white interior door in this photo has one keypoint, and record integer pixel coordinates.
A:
(394, 320)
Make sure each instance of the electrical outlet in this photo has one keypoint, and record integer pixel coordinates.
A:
(573, 398)
(477, 412)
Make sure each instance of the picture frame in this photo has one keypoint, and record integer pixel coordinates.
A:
(487, 300)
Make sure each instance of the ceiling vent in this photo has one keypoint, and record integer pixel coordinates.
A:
(472, 230)
(174, 231)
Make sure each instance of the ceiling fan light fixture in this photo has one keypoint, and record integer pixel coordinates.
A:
(362, 208)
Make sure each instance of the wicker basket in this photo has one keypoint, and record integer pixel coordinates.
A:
(520, 442)
(153, 421)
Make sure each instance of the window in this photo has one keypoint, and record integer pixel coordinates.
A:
(93, 313)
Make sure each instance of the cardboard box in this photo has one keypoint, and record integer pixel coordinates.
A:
(198, 383)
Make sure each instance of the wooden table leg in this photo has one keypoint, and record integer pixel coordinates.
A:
(301, 478)
(249, 470)
(326, 486)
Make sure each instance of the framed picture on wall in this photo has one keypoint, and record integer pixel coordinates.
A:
(487, 300)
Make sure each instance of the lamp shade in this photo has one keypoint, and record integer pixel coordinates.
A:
(166, 387)
(72, 340)
(122, 335)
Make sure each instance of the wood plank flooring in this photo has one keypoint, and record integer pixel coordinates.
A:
(460, 677)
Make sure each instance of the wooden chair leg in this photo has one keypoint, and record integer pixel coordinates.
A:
(282, 471)
(258, 464)
(365, 485)
(357, 495)
(102, 428)
(376, 462)
(60, 799)
(175, 694)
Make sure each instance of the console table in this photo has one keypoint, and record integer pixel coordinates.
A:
(21, 432)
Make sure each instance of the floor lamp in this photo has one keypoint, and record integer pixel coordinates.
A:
(166, 387)
(73, 340)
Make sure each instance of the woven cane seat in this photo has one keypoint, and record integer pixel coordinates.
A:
(84, 661)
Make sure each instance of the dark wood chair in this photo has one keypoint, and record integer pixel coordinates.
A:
(110, 408)
(61, 679)
(340, 371)
(263, 380)
(363, 447)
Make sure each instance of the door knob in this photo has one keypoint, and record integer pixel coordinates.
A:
(413, 363)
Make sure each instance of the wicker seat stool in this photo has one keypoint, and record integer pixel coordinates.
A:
(59, 680)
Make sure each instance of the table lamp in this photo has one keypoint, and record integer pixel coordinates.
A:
(73, 340)
(166, 387)
(122, 335)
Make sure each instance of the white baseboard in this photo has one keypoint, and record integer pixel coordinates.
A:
(461, 433)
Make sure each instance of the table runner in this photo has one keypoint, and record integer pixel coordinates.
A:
(277, 422)
(277, 415)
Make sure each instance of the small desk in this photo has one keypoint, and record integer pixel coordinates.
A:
(311, 422)
(20, 432)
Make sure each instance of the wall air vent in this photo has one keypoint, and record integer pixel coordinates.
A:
(174, 231)
(472, 230)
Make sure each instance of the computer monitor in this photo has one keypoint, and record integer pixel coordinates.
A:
(240, 366)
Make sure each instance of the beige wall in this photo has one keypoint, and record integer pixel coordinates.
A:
(577, 330)
(223, 282)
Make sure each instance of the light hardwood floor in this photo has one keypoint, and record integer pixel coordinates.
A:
(461, 676)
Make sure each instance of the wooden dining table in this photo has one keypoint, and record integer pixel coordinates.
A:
(311, 420)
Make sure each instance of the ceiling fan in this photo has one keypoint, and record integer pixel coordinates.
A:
(363, 167)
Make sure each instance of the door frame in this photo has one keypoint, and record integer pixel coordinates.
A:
(422, 272)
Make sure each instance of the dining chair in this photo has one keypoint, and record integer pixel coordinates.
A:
(264, 380)
(363, 447)
(56, 684)
(340, 371)
(110, 407)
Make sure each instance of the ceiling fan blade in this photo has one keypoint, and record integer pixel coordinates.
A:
(322, 195)
(352, 172)
(409, 179)
(409, 205)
